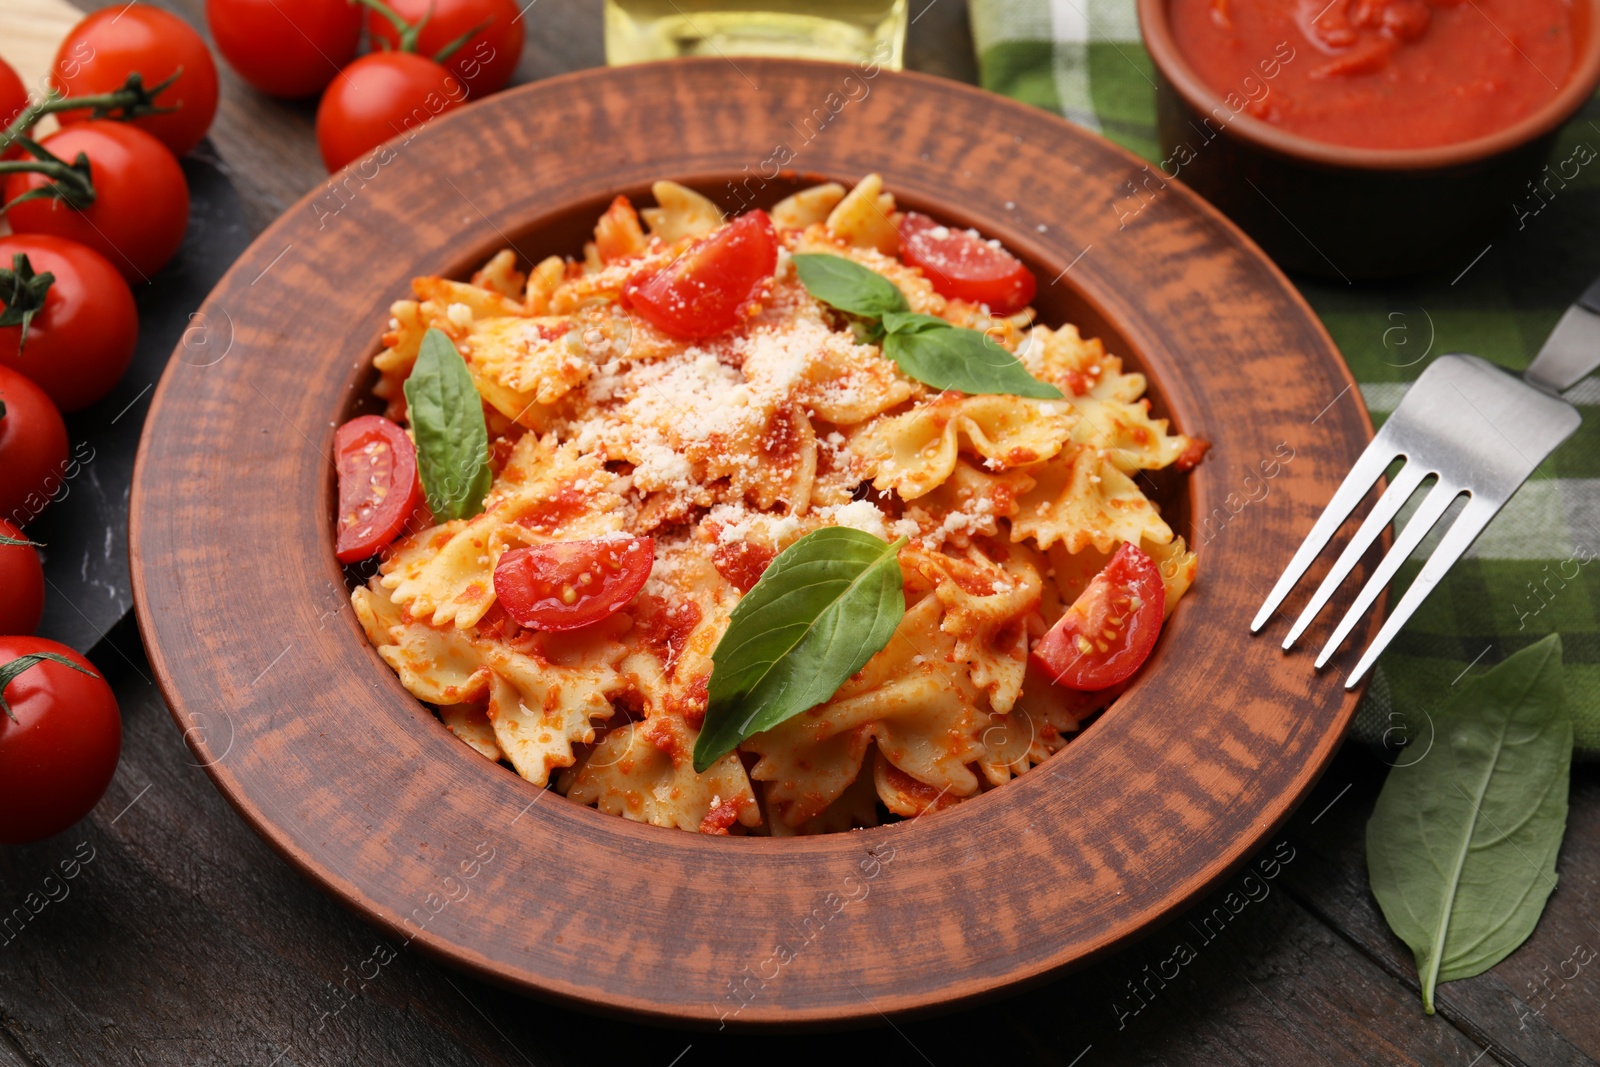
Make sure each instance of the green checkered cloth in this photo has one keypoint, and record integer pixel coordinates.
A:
(1530, 572)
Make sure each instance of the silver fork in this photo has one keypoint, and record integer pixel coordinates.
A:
(1476, 430)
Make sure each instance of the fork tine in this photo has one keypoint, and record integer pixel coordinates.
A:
(1434, 505)
(1467, 526)
(1399, 491)
(1377, 456)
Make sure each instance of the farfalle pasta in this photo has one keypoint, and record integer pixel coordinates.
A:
(614, 416)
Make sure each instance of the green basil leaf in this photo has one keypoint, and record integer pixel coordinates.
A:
(848, 286)
(912, 322)
(825, 606)
(968, 361)
(1461, 847)
(452, 437)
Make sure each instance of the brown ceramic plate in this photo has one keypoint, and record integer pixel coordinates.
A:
(303, 728)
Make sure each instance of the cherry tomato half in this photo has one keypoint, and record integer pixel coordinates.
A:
(60, 744)
(1110, 629)
(33, 448)
(379, 96)
(964, 266)
(568, 584)
(13, 98)
(141, 201)
(488, 58)
(378, 485)
(101, 51)
(288, 48)
(712, 287)
(21, 583)
(79, 343)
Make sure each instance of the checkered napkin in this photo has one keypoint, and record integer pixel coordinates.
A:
(1533, 571)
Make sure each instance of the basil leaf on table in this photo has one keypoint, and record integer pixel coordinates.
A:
(1461, 847)
(967, 361)
(452, 437)
(825, 606)
(848, 286)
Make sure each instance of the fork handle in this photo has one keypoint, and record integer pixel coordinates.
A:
(1573, 351)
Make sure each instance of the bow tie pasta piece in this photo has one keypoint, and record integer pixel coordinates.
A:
(915, 452)
(628, 775)
(470, 722)
(540, 709)
(1083, 500)
(680, 213)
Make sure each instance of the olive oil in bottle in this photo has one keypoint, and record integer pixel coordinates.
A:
(848, 31)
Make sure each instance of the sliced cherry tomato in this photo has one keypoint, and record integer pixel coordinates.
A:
(60, 743)
(83, 330)
(100, 52)
(21, 583)
(712, 287)
(568, 584)
(141, 200)
(485, 61)
(379, 96)
(379, 489)
(288, 48)
(33, 448)
(1110, 629)
(962, 265)
(13, 98)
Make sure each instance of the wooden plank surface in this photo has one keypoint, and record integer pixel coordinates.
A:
(183, 939)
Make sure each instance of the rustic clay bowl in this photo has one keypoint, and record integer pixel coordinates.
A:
(1355, 213)
(311, 737)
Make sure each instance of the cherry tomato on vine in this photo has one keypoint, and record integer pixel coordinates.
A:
(1109, 630)
(33, 448)
(83, 328)
(568, 584)
(379, 96)
(288, 48)
(485, 61)
(141, 200)
(713, 286)
(60, 738)
(21, 582)
(101, 51)
(379, 489)
(13, 98)
(964, 266)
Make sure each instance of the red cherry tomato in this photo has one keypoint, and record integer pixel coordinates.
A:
(489, 57)
(378, 485)
(13, 98)
(33, 448)
(288, 48)
(1110, 629)
(712, 287)
(101, 51)
(81, 340)
(21, 583)
(380, 96)
(59, 746)
(568, 584)
(964, 266)
(141, 200)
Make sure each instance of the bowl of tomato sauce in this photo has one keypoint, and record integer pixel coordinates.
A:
(1371, 138)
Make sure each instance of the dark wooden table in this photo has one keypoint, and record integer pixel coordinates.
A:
(181, 938)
